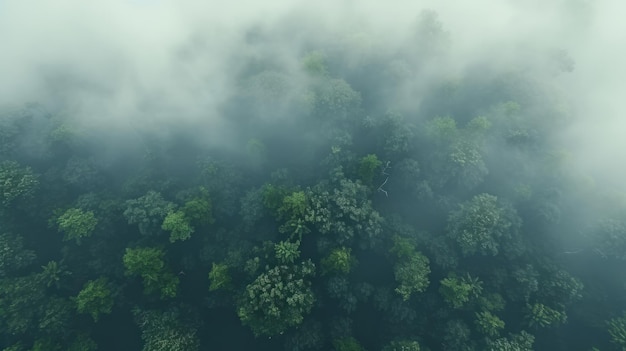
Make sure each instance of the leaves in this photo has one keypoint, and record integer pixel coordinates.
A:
(339, 260)
(77, 224)
(95, 298)
(178, 225)
(149, 264)
(277, 299)
(16, 183)
(219, 277)
(481, 224)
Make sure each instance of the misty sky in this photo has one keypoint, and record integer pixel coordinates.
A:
(150, 60)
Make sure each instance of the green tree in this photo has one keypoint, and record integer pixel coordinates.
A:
(56, 317)
(515, 342)
(617, 330)
(16, 183)
(13, 256)
(347, 344)
(82, 342)
(277, 299)
(148, 263)
(199, 210)
(95, 298)
(481, 224)
(339, 260)
(219, 277)
(334, 99)
(540, 315)
(52, 274)
(368, 167)
(459, 291)
(488, 324)
(178, 225)
(314, 63)
(412, 275)
(77, 224)
(287, 252)
(342, 209)
(166, 331)
(148, 212)
(402, 345)
(21, 300)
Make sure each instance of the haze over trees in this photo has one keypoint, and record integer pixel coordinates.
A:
(336, 189)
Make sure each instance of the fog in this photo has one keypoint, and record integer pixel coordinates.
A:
(155, 61)
(134, 98)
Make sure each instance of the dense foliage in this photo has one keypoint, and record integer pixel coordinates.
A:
(338, 216)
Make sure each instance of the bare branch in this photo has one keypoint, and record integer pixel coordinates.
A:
(384, 171)
(380, 188)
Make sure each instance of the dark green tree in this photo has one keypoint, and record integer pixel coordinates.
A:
(339, 260)
(178, 225)
(617, 330)
(76, 224)
(148, 263)
(16, 183)
(95, 299)
(488, 324)
(481, 224)
(368, 168)
(540, 315)
(148, 212)
(459, 291)
(219, 277)
(13, 256)
(165, 331)
(402, 345)
(412, 275)
(277, 299)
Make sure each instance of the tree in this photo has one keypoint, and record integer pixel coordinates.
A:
(199, 210)
(20, 302)
(402, 345)
(488, 324)
(77, 224)
(515, 342)
(459, 291)
(277, 299)
(165, 331)
(412, 275)
(368, 167)
(178, 225)
(617, 330)
(314, 63)
(287, 252)
(411, 269)
(339, 260)
(334, 99)
(16, 183)
(13, 256)
(457, 336)
(344, 210)
(611, 237)
(540, 315)
(148, 263)
(52, 274)
(148, 212)
(347, 344)
(219, 277)
(481, 224)
(95, 298)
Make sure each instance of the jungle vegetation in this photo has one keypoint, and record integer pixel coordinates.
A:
(338, 216)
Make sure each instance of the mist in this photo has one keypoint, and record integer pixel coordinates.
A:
(154, 62)
(237, 127)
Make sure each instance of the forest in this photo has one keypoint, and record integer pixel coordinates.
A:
(339, 197)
